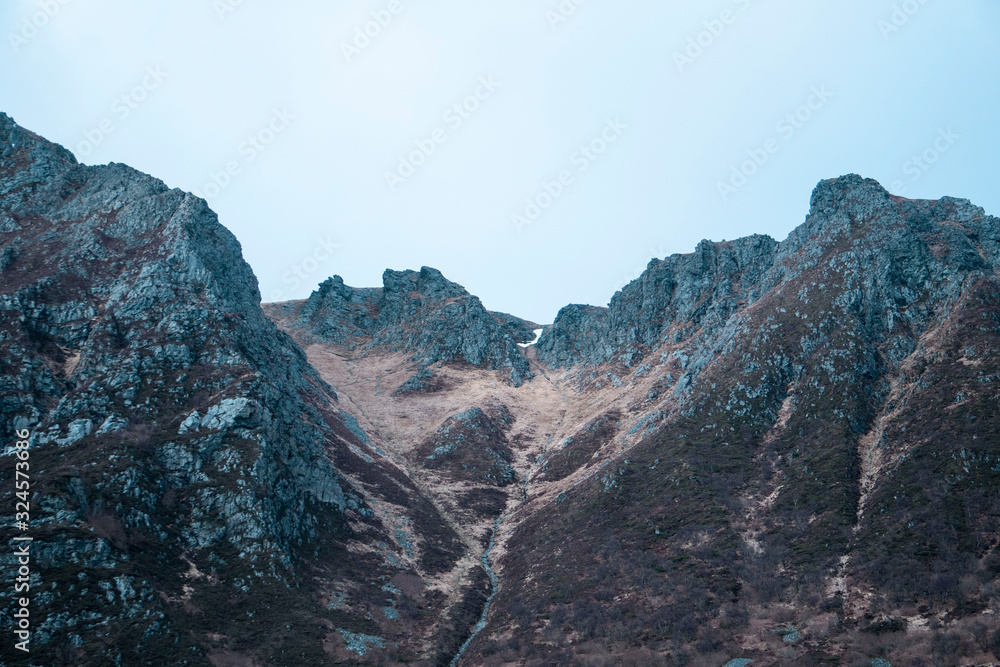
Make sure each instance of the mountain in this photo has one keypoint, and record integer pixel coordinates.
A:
(421, 313)
(799, 453)
(198, 496)
(779, 452)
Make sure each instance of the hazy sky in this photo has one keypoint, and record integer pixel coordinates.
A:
(539, 153)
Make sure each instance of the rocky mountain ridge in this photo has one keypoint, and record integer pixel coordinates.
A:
(771, 402)
(806, 409)
(779, 452)
(681, 293)
(421, 313)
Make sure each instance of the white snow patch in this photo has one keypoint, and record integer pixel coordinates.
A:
(538, 334)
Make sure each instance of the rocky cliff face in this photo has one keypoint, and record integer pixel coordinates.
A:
(670, 299)
(471, 445)
(422, 314)
(780, 452)
(194, 480)
(810, 446)
(683, 294)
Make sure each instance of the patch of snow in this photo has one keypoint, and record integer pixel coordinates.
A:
(538, 334)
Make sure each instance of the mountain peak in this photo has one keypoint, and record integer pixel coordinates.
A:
(28, 159)
(428, 282)
(421, 313)
(862, 199)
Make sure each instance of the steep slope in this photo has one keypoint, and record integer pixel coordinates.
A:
(467, 435)
(817, 474)
(197, 495)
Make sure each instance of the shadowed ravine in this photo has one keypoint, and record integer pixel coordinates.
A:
(495, 587)
(494, 580)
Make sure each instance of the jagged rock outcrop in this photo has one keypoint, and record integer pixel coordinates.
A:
(339, 313)
(578, 334)
(420, 313)
(471, 446)
(672, 297)
(681, 295)
(816, 427)
(193, 480)
(521, 330)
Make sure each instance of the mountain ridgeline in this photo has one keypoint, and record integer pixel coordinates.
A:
(779, 452)
(422, 313)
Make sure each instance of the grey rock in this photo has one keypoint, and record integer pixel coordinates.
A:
(420, 313)
(135, 350)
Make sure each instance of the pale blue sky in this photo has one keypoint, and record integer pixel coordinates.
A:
(887, 80)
